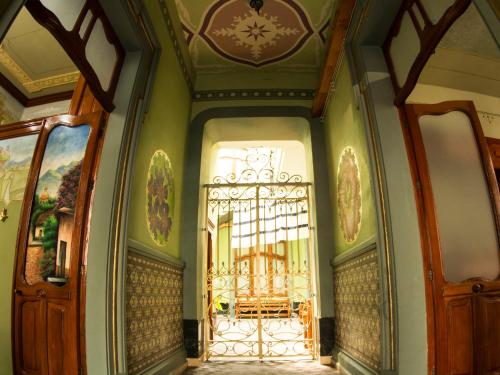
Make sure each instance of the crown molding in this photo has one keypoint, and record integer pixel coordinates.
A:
(30, 84)
(31, 102)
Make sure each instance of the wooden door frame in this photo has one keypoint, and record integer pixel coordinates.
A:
(434, 280)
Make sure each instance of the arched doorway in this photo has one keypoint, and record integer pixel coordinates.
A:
(259, 263)
(259, 242)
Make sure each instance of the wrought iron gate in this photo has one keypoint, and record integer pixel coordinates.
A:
(259, 285)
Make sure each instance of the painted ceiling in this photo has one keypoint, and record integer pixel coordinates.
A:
(287, 36)
(32, 59)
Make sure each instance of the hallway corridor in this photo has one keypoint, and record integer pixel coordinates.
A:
(271, 367)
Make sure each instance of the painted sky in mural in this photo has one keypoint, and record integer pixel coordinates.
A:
(15, 162)
(65, 149)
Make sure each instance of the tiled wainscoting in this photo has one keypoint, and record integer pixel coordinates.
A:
(357, 308)
(154, 310)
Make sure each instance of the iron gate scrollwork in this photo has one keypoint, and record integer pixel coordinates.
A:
(260, 290)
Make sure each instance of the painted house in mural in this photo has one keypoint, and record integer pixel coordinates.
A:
(65, 218)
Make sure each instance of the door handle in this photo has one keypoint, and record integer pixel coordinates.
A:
(477, 288)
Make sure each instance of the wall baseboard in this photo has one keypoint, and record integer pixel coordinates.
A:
(195, 362)
(349, 366)
(325, 360)
(175, 364)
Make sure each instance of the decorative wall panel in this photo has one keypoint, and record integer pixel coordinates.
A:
(357, 308)
(154, 311)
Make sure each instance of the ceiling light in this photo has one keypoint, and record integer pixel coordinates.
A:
(256, 4)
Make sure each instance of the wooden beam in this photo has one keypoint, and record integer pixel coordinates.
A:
(51, 98)
(338, 34)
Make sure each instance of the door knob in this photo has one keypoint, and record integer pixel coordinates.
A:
(477, 288)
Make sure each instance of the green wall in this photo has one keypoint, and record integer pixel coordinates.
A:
(165, 127)
(8, 239)
(344, 127)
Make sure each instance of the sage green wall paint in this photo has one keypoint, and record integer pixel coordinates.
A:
(165, 127)
(8, 239)
(199, 107)
(344, 127)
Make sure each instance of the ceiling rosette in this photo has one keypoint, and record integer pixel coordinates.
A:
(238, 33)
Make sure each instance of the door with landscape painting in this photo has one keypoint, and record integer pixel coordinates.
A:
(50, 252)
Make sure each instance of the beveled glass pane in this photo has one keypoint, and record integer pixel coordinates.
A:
(466, 225)
(67, 11)
(48, 255)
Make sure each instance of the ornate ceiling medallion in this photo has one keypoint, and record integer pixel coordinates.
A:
(237, 32)
(349, 195)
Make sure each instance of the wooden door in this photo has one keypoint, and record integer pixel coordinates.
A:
(461, 206)
(52, 237)
(494, 146)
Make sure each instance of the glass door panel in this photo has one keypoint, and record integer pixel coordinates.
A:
(466, 223)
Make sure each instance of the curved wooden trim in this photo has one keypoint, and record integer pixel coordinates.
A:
(334, 55)
(430, 37)
(74, 45)
(19, 129)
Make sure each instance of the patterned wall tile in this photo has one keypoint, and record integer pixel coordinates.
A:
(357, 309)
(154, 311)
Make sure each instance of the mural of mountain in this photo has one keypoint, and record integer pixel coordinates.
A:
(52, 179)
(18, 165)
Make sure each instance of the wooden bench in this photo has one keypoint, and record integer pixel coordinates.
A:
(269, 307)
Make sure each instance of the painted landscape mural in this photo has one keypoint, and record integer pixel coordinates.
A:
(52, 217)
(15, 162)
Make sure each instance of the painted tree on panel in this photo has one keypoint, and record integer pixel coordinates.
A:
(66, 195)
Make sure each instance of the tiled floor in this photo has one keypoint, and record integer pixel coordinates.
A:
(274, 367)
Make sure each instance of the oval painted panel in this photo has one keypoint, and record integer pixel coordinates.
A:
(160, 197)
(349, 194)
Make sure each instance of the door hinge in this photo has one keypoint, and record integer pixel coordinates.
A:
(419, 185)
(431, 275)
(433, 371)
(80, 371)
(91, 185)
